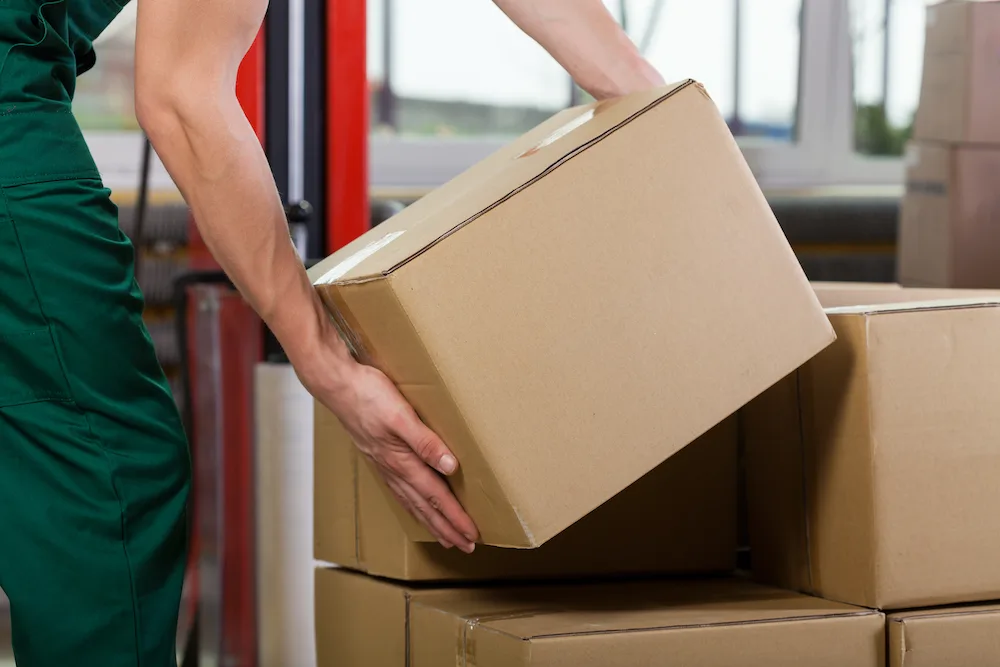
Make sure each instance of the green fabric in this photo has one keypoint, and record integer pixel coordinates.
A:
(94, 466)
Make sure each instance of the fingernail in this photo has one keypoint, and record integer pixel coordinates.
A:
(446, 544)
(470, 537)
(448, 464)
(469, 548)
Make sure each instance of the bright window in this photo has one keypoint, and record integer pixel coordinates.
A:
(461, 68)
(887, 38)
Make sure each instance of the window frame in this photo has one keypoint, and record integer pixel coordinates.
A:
(823, 155)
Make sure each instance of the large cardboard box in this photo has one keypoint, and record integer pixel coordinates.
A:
(681, 517)
(952, 637)
(949, 228)
(367, 622)
(872, 471)
(581, 305)
(959, 95)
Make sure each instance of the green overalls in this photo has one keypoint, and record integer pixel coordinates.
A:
(94, 465)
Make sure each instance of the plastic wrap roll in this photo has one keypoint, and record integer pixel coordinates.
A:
(284, 453)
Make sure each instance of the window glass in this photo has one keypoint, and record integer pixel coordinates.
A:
(461, 68)
(888, 42)
(458, 68)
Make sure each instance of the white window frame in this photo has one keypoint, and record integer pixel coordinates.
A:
(823, 157)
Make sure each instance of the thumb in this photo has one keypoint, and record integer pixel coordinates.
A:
(429, 447)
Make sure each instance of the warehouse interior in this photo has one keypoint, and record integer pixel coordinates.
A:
(764, 436)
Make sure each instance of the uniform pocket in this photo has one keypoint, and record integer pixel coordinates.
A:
(29, 369)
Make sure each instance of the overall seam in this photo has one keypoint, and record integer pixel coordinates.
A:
(90, 430)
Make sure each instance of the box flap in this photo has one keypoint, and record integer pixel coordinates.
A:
(939, 304)
(543, 612)
(484, 186)
(867, 298)
(957, 637)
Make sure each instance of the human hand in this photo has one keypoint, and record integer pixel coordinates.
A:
(406, 453)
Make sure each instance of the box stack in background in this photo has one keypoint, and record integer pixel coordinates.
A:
(579, 317)
(872, 471)
(949, 233)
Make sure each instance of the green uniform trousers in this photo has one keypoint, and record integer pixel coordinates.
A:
(94, 465)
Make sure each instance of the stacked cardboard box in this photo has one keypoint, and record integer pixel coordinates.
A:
(871, 471)
(950, 218)
(578, 316)
(378, 623)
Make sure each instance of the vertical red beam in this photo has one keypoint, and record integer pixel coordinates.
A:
(241, 344)
(250, 92)
(347, 122)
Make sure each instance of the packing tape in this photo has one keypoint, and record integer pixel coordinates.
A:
(343, 268)
(579, 121)
(466, 650)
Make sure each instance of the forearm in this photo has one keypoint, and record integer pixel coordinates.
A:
(217, 162)
(587, 41)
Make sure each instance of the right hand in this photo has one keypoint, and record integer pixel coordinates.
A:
(406, 452)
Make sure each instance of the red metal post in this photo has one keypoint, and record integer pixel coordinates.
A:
(347, 122)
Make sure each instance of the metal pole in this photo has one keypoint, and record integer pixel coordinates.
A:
(885, 53)
(737, 123)
(387, 97)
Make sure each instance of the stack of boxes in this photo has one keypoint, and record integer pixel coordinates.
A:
(950, 219)
(871, 471)
(579, 317)
(596, 319)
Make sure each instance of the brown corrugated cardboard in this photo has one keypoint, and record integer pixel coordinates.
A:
(871, 471)
(581, 305)
(366, 622)
(959, 96)
(949, 229)
(851, 296)
(945, 637)
(681, 517)
(827, 285)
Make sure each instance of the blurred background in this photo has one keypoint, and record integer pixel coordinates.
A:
(820, 96)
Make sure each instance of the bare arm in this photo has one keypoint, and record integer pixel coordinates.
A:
(187, 56)
(585, 39)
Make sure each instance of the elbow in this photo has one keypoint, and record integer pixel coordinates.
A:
(159, 108)
(165, 105)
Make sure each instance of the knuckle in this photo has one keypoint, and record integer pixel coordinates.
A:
(436, 503)
(425, 446)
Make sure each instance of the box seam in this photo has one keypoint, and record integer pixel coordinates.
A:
(696, 626)
(531, 181)
(873, 585)
(803, 466)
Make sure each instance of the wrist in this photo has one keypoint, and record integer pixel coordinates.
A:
(632, 74)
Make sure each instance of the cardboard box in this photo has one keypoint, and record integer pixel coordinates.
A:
(830, 285)
(949, 228)
(959, 95)
(581, 305)
(679, 518)
(872, 471)
(952, 637)
(367, 622)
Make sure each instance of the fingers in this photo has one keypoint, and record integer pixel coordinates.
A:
(395, 485)
(428, 515)
(428, 446)
(434, 491)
